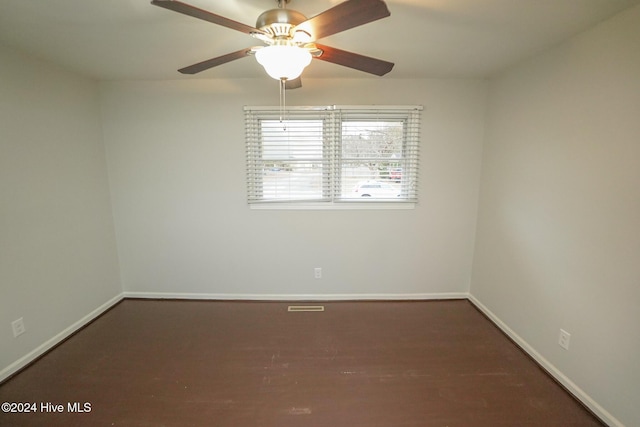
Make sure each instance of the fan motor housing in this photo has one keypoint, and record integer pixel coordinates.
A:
(279, 22)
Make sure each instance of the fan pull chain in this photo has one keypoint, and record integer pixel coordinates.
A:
(283, 104)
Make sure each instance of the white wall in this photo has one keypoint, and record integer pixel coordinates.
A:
(558, 240)
(176, 156)
(57, 244)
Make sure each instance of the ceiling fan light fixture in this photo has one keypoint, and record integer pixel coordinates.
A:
(283, 62)
(286, 30)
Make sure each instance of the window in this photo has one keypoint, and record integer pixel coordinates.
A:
(332, 155)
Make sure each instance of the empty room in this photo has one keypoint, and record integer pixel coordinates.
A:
(320, 213)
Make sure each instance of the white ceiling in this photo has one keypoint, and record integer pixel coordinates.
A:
(131, 39)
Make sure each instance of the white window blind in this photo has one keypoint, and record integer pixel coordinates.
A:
(332, 154)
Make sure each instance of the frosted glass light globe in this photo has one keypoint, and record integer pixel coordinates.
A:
(283, 62)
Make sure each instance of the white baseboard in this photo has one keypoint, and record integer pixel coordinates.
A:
(297, 297)
(55, 340)
(586, 400)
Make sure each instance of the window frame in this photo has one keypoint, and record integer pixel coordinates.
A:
(332, 140)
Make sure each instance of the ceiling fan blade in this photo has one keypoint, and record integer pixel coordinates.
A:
(293, 84)
(346, 15)
(195, 12)
(214, 62)
(354, 60)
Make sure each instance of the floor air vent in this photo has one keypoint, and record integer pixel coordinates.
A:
(306, 308)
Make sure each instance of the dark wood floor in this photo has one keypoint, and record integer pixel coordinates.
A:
(357, 364)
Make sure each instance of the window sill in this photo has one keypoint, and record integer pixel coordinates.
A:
(333, 206)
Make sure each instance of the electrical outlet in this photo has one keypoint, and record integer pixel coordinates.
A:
(317, 273)
(564, 339)
(18, 327)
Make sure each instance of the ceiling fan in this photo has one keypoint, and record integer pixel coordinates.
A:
(290, 38)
